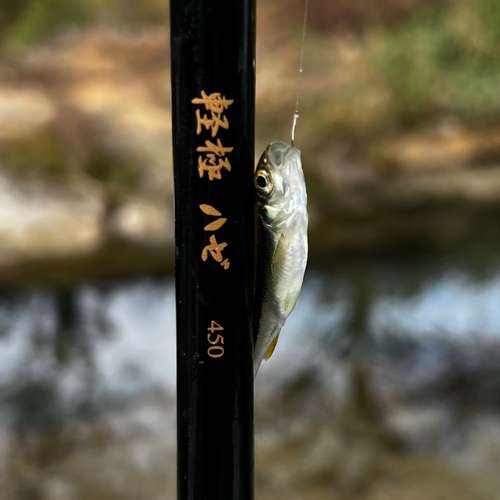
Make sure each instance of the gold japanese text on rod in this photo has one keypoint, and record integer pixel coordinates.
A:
(212, 160)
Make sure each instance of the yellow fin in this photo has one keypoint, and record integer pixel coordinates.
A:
(272, 347)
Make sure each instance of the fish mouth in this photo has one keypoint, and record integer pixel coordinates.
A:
(277, 152)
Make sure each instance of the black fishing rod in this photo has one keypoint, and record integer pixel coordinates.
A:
(213, 98)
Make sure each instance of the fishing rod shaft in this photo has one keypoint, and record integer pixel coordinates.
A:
(213, 102)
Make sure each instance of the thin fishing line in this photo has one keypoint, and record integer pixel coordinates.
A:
(299, 77)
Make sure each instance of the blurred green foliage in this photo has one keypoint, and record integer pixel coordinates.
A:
(10, 12)
(24, 22)
(38, 19)
(443, 60)
(40, 155)
(119, 174)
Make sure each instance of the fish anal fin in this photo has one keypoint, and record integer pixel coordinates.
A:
(272, 347)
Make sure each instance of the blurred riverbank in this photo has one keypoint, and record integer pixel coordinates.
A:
(85, 153)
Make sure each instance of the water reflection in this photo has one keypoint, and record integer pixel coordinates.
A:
(89, 373)
(67, 353)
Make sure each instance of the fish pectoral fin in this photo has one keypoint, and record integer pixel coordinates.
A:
(279, 258)
(279, 255)
(272, 347)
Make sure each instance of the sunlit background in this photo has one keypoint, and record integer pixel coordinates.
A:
(386, 381)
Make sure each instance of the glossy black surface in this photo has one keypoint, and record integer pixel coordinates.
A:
(213, 50)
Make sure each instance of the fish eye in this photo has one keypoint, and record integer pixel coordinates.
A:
(263, 182)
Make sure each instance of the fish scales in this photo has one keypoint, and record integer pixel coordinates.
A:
(281, 243)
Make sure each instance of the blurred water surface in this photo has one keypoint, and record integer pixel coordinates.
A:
(88, 374)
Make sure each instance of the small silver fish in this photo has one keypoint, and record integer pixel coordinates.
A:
(281, 243)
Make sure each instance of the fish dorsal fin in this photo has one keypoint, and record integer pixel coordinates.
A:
(272, 347)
